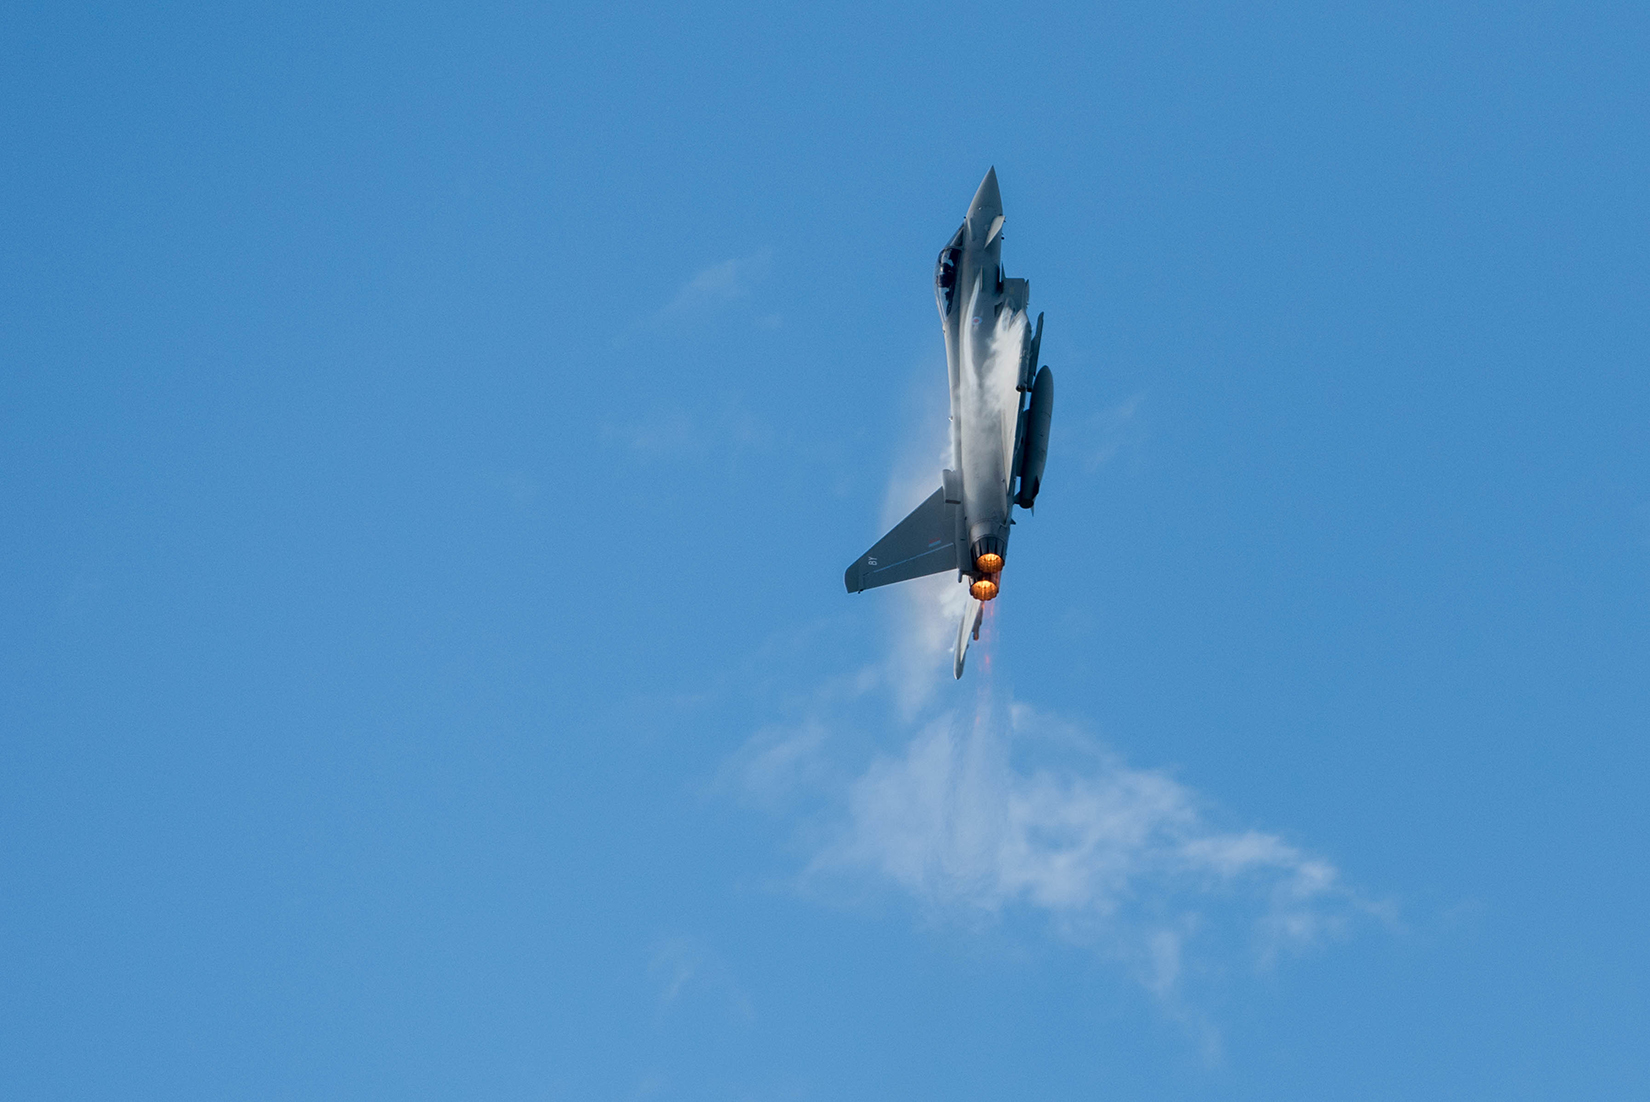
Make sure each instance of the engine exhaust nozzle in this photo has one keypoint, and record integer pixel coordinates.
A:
(988, 555)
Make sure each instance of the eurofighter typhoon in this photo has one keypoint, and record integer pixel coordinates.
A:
(1001, 402)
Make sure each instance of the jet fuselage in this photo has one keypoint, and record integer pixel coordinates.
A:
(986, 336)
(1001, 403)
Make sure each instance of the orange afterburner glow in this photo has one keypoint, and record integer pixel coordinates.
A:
(984, 589)
(989, 563)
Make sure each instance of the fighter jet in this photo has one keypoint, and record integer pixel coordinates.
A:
(1001, 402)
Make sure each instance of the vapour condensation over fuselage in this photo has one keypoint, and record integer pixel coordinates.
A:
(984, 321)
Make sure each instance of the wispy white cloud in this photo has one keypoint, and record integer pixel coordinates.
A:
(718, 285)
(1008, 808)
(994, 811)
(1004, 812)
(1101, 437)
(709, 292)
(776, 764)
(684, 966)
(677, 433)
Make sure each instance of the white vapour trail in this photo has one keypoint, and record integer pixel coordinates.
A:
(993, 810)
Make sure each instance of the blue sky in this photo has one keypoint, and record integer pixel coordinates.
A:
(432, 440)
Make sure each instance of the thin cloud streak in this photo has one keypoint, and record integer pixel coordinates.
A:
(678, 433)
(1111, 431)
(685, 966)
(717, 285)
(709, 292)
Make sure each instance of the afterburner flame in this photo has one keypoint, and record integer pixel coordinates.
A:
(984, 589)
(989, 563)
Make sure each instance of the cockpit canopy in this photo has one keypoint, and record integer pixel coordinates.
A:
(945, 273)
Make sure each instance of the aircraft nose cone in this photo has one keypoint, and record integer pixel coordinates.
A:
(987, 206)
(987, 200)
